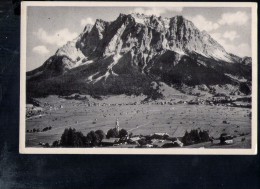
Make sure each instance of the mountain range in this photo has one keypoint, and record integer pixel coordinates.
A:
(132, 53)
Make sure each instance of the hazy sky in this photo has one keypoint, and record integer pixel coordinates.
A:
(48, 28)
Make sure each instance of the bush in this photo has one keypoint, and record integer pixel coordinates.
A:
(56, 143)
(45, 129)
(142, 142)
(46, 145)
(195, 136)
(123, 133)
(101, 134)
(112, 133)
(72, 138)
(204, 136)
(93, 139)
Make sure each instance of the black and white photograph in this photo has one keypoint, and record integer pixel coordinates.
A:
(138, 78)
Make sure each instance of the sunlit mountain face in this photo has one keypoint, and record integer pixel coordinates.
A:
(129, 54)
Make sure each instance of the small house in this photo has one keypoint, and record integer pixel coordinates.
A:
(160, 135)
(134, 139)
(110, 141)
(169, 144)
(226, 139)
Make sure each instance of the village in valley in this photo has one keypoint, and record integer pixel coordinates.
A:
(134, 122)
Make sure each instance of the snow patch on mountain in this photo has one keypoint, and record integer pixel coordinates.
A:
(90, 78)
(240, 79)
(220, 55)
(108, 72)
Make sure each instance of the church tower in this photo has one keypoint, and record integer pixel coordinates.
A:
(117, 125)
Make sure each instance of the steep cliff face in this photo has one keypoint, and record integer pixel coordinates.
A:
(126, 55)
(150, 34)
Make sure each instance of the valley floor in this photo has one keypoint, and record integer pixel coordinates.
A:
(155, 117)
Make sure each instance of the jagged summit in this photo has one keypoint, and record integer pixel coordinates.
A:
(177, 34)
(153, 20)
(127, 54)
(187, 36)
(87, 28)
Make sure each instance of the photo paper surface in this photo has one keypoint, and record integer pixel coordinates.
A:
(138, 78)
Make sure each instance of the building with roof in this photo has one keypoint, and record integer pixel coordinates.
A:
(109, 141)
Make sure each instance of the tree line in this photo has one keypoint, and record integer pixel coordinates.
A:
(195, 136)
(73, 138)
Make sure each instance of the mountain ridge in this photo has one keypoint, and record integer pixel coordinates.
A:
(135, 50)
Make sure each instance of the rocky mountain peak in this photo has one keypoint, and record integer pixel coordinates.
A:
(135, 49)
(148, 33)
(87, 28)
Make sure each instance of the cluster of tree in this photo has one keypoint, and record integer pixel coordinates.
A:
(73, 138)
(114, 133)
(144, 141)
(94, 138)
(46, 129)
(195, 136)
(38, 130)
(32, 130)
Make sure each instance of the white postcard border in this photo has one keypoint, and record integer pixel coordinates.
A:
(171, 151)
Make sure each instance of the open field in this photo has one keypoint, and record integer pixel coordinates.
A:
(142, 119)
